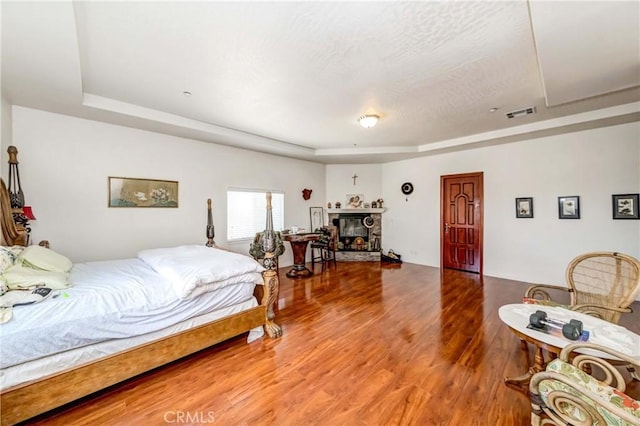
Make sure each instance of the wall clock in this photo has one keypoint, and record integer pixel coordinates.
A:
(407, 188)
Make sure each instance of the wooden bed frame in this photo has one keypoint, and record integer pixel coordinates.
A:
(27, 400)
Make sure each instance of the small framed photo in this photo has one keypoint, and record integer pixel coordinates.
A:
(317, 217)
(354, 201)
(524, 208)
(569, 207)
(625, 206)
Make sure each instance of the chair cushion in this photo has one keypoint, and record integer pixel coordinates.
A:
(605, 392)
(532, 301)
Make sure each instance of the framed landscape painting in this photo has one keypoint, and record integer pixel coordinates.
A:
(133, 192)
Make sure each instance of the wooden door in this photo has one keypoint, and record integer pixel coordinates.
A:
(461, 222)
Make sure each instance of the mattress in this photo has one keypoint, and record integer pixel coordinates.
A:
(42, 367)
(108, 301)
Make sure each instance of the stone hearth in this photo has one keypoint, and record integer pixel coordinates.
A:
(347, 251)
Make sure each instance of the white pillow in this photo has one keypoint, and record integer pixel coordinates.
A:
(19, 277)
(39, 257)
(8, 256)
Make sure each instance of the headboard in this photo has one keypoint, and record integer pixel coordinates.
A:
(12, 234)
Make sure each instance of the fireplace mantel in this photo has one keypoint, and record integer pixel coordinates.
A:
(340, 211)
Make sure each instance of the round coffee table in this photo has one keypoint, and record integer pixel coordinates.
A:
(601, 332)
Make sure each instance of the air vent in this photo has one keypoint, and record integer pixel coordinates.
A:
(521, 112)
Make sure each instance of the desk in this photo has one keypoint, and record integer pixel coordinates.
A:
(299, 244)
(601, 332)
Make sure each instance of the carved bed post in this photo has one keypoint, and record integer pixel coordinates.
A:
(270, 276)
(211, 233)
(11, 234)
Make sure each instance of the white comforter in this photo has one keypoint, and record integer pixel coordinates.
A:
(193, 270)
(107, 300)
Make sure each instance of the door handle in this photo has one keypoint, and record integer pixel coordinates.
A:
(446, 227)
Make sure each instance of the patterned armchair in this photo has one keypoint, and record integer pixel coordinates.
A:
(566, 394)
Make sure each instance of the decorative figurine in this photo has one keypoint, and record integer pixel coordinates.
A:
(329, 205)
(338, 205)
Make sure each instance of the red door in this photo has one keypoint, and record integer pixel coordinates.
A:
(461, 222)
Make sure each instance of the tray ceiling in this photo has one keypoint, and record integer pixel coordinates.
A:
(291, 78)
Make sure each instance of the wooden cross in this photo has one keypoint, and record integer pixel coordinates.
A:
(354, 177)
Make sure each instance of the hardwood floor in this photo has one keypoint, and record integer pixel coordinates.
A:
(363, 344)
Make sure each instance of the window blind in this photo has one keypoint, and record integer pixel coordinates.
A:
(247, 212)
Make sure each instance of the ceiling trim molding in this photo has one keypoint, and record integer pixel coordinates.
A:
(265, 144)
(241, 139)
(554, 123)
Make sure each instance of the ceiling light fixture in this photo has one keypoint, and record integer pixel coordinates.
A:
(368, 120)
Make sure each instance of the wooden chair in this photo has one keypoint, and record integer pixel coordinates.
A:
(568, 393)
(602, 284)
(324, 250)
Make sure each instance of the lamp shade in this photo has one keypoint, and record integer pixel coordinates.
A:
(368, 120)
(28, 213)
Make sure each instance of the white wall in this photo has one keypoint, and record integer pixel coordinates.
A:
(5, 114)
(5, 123)
(340, 182)
(65, 162)
(593, 164)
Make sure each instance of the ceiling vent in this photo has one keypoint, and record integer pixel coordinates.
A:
(521, 112)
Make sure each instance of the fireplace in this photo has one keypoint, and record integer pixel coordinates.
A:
(357, 241)
(351, 227)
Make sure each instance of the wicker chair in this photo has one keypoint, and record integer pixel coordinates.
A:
(602, 284)
(565, 394)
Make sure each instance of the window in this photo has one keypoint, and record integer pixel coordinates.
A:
(247, 212)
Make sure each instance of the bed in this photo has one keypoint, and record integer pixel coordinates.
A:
(145, 319)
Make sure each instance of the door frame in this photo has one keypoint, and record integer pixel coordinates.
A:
(480, 176)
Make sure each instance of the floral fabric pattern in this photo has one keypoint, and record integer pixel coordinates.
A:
(8, 256)
(532, 301)
(605, 392)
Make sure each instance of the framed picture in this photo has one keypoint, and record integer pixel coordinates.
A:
(569, 207)
(133, 192)
(625, 206)
(524, 208)
(354, 201)
(317, 217)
